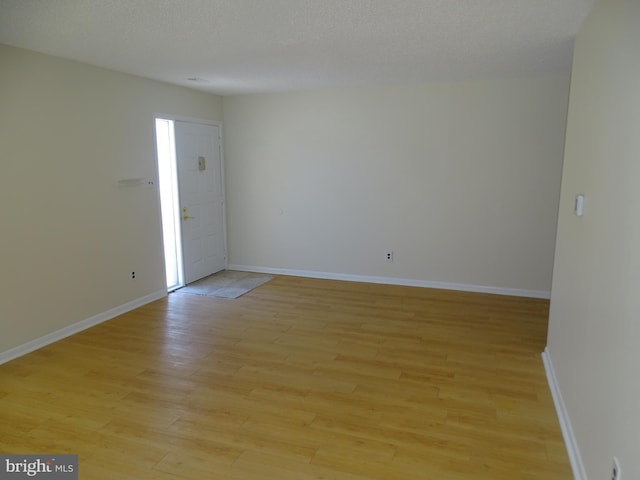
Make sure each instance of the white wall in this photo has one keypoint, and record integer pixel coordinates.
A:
(460, 180)
(594, 329)
(69, 237)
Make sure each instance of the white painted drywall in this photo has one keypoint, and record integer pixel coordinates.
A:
(460, 180)
(594, 328)
(69, 236)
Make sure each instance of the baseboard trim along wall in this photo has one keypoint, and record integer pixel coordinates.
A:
(573, 451)
(69, 330)
(515, 292)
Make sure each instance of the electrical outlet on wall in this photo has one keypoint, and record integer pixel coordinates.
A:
(389, 256)
(615, 469)
(133, 275)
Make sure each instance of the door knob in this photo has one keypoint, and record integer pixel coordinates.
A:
(184, 214)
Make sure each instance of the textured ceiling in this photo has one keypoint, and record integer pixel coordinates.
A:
(246, 46)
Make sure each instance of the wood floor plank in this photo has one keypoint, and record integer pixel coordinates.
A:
(299, 379)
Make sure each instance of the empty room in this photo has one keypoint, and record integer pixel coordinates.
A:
(323, 239)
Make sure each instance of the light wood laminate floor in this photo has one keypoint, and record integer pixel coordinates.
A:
(299, 379)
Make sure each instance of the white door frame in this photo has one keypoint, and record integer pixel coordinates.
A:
(215, 123)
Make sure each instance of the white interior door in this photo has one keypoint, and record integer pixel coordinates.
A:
(201, 199)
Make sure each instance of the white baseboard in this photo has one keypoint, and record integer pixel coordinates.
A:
(78, 327)
(515, 292)
(573, 451)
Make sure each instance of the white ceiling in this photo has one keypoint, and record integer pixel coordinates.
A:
(247, 46)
